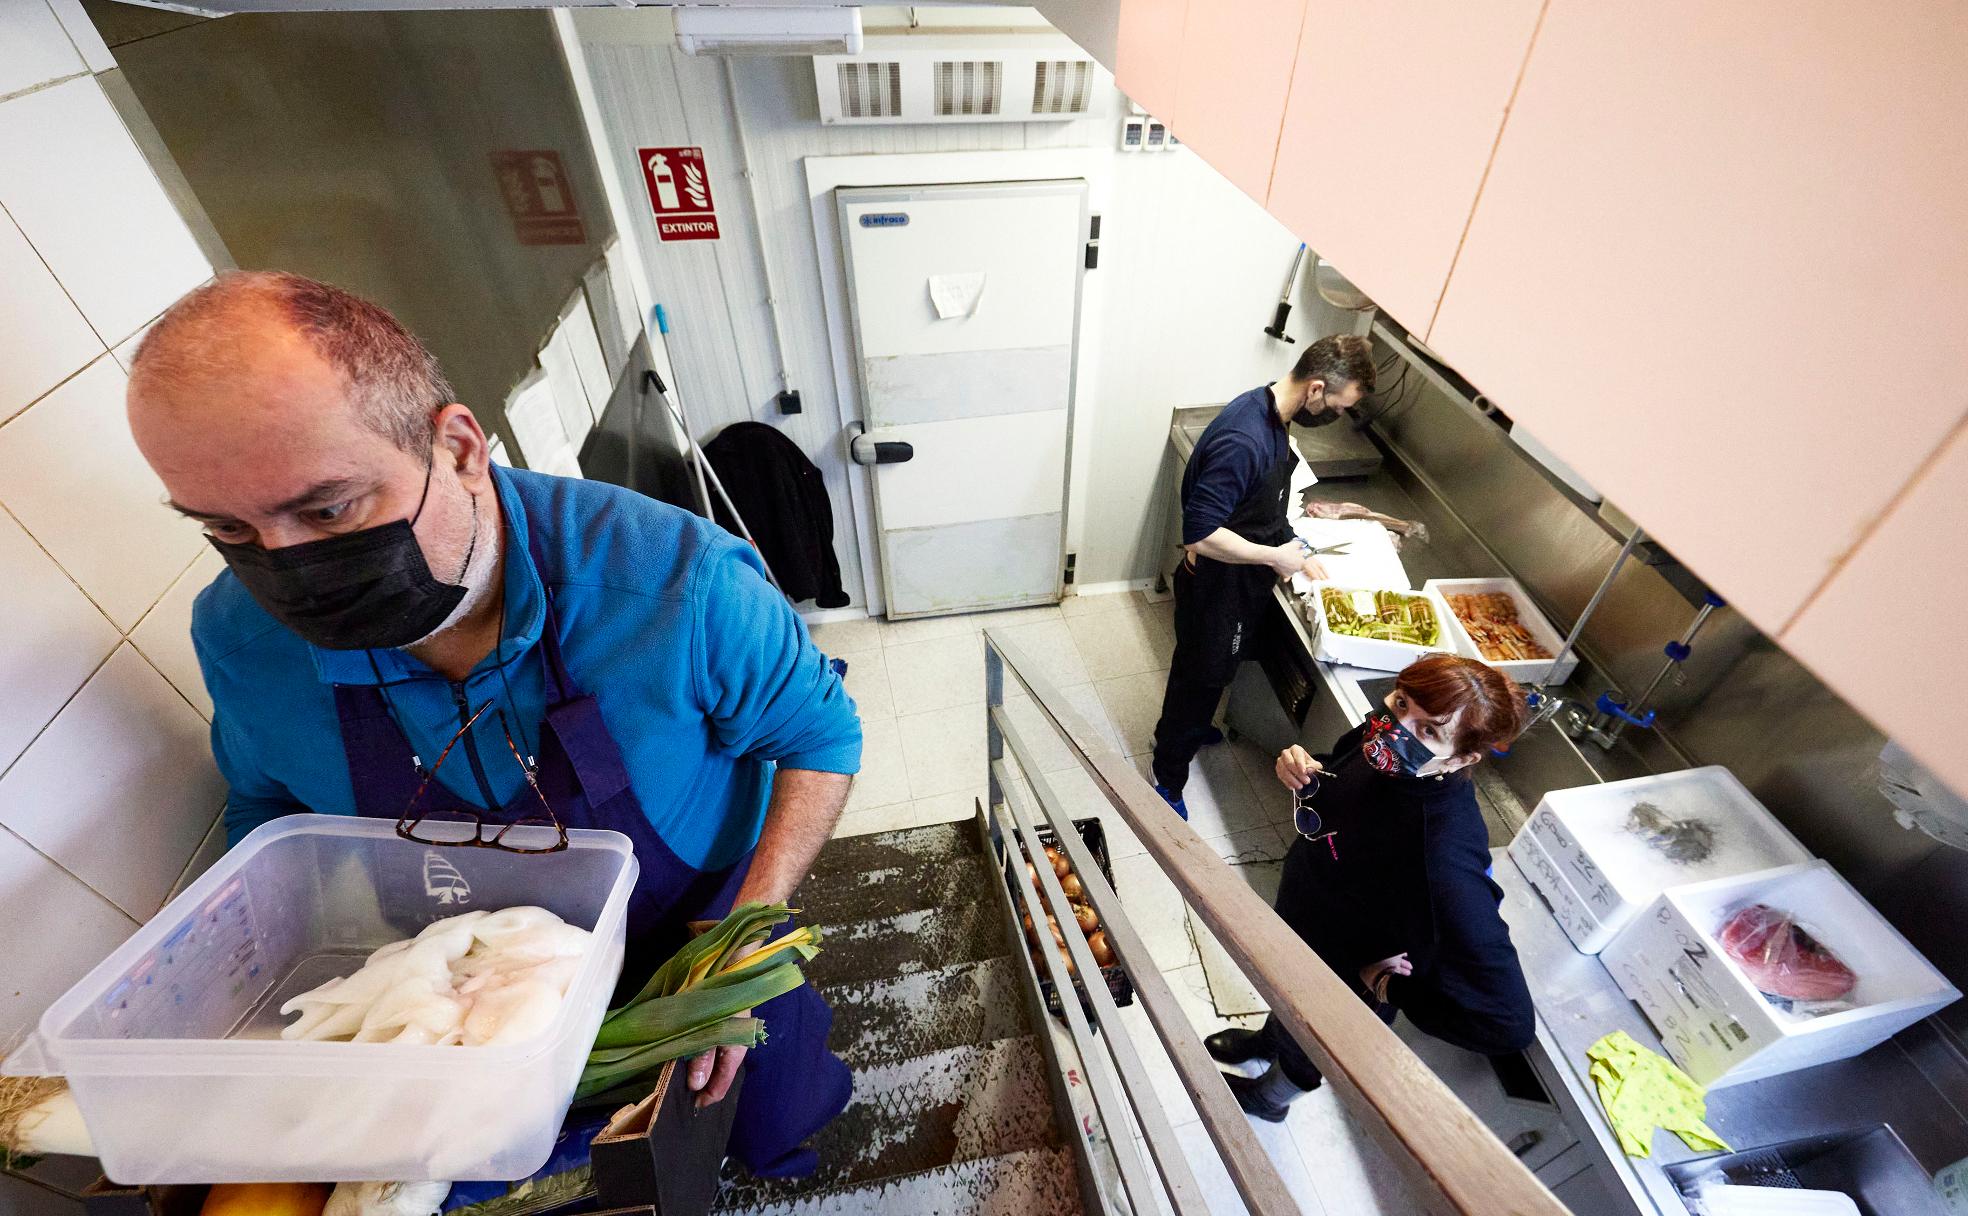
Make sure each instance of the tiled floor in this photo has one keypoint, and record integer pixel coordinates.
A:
(920, 689)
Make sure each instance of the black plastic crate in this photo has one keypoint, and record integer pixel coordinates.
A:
(1094, 835)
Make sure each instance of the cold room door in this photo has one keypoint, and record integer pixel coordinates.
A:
(965, 301)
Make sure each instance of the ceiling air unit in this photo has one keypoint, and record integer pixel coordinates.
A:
(768, 31)
(917, 79)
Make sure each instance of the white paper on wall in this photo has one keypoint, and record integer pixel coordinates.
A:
(535, 421)
(577, 322)
(497, 451)
(955, 295)
(620, 286)
(570, 398)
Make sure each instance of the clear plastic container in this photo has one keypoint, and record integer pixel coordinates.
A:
(172, 1044)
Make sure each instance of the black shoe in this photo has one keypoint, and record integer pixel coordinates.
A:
(1236, 1046)
(1250, 1096)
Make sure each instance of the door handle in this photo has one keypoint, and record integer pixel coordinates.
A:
(865, 449)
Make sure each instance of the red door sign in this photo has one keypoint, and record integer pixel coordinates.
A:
(679, 193)
(538, 197)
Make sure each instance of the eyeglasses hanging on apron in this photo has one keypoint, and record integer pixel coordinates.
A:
(1305, 817)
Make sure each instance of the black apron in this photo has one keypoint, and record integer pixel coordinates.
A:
(1217, 604)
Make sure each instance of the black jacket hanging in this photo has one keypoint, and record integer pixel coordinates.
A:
(785, 504)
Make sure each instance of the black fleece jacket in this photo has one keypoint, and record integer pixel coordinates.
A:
(1404, 871)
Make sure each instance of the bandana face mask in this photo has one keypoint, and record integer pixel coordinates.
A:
(366, 590)
(1391, 749)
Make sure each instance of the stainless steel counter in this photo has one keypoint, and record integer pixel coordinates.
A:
(1903, 1083)
(1578, 1001)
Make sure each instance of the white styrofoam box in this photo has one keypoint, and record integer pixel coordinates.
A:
(164, 635)
(1573, 914)
(75, 182)
(1371, 652)
(121, 787)
(1370, 559)
(1617, 873)
(72, 475)
(1524, 671)
(1711, 1018)
(33, 47)
(43, 339)
(73, 929)
(52, 639)
(82, 32)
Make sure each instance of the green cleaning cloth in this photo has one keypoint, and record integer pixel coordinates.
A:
(1642, 1090)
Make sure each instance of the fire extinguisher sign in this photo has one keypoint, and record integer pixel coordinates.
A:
(679, 193)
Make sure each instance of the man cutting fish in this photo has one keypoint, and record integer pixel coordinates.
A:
(407, 631)
(1237, 541)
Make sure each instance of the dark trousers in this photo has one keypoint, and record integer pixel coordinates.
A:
(1298, 1066)
(1210, 608)
(1325, 919)
(1188, 708)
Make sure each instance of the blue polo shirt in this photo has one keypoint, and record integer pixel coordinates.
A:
(705, 675)
(1239, 446)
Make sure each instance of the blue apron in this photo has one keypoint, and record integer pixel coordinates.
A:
(793, 1085)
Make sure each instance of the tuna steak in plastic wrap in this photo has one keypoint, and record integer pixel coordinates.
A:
(1781, 958)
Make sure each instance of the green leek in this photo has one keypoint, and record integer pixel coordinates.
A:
(693, 1002)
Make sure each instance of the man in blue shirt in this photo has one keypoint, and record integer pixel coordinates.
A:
(1237, 539)
(405, 630)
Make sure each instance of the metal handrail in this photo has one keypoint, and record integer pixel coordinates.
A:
(1452, 1162)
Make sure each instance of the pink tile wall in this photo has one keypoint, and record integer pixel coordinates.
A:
(1879, 631)
(1149, 52)
(1394, 111)
(1230, 99)
(1718, 265)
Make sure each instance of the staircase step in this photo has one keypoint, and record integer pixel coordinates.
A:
(918, 1114)
(914, 847)
(1030, 1182)
(840, 897)
(908, 942)
(886, 1020)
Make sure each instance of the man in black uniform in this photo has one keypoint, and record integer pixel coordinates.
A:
(1238, 540)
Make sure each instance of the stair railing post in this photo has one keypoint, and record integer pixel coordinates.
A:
(994, 741)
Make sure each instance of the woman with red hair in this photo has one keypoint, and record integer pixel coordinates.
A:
(1389, 878)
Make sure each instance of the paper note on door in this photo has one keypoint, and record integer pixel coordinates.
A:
(955, 295)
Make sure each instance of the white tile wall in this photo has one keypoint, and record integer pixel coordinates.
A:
(72, 475)
(82, 32)
(33, 47)
(121, 787)
(108, 795)
(78, 187)
(164, 635)
(73, 928)
(53, 638)
(42, 334)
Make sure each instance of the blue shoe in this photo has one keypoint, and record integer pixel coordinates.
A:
(1175, 801)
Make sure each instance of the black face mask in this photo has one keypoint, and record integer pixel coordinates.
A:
(1307, 416)
(367, 590)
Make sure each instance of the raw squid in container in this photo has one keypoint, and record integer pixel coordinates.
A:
(476, 979)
